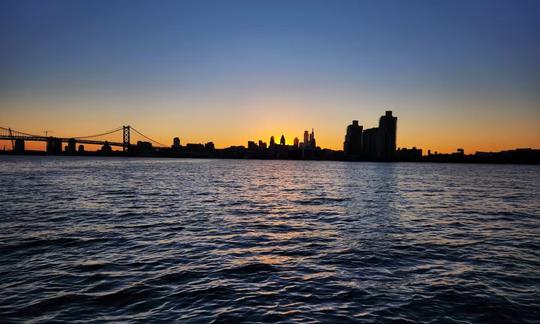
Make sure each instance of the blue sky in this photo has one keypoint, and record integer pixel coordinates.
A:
(328, 61)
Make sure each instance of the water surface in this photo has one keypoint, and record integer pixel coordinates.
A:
(118, 239)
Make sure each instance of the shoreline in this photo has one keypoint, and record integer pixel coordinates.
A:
(447, 158)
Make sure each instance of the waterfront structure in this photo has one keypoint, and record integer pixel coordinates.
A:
(106, 148)
(296, 142)
(176, 144)
(369, 143)
(405, 154)
(353, 140)
(54, 145)
(209, 146)
(377, 143)
(312, 143)
(386, 137)
(19, 146)
(144, 147)
(72, 146)
(252, 146)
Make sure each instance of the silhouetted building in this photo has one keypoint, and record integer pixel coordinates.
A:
(176, 144)
(405, 154)
(282, 140)
(144, 147)
(306, 139)
(272, 142)
(106, 148)
(296, 142)
(262, 145)
(252, 146)
(81, 148)
(386, 139)
(312, 143)
(194, 147)
(353, 140)
(369, 143)
(209, 146)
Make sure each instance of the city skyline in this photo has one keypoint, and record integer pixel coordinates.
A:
(460, 74)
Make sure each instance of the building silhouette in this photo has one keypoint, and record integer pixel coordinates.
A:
(296, 142)
(312, 143)
(252, 146)
(209, 146)
(378, 143)
(369, 143)
(306, 139)
(106, 148)
(282, 140)
(272, 142)
(176, 144)
(353, 140)
(386, 138)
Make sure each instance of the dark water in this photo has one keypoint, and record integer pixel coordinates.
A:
(104, 239)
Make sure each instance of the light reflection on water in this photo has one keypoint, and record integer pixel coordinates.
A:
(223, 240)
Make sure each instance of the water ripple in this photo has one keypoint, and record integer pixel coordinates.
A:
(161, 240)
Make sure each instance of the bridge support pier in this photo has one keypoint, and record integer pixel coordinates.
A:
(18, 146)
(54, 145)
(71, 148)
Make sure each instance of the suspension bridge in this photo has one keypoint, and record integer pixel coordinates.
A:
(54, 144)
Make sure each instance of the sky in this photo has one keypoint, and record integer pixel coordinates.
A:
(457, 74)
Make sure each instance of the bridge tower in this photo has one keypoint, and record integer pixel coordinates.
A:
(12, 139)
(126, 139)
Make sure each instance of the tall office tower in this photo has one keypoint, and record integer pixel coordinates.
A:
(282, 140)
(386, 139)
(353, 140)
(312, 142)
(306, 138)
(369, 143)
(272, 142)
(296, 142)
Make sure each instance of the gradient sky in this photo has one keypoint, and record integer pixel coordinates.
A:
(456, 73)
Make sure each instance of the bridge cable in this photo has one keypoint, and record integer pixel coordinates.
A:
(148, 138)
(102, 134)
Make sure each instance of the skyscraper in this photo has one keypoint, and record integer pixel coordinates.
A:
(306, 138)
(282, 140)
(386, 137)
(369, 143)
(312, 142)
(296, 142)
(272, 142)
(353, 140)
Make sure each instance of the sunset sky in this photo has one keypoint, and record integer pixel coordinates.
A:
(456, 73)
